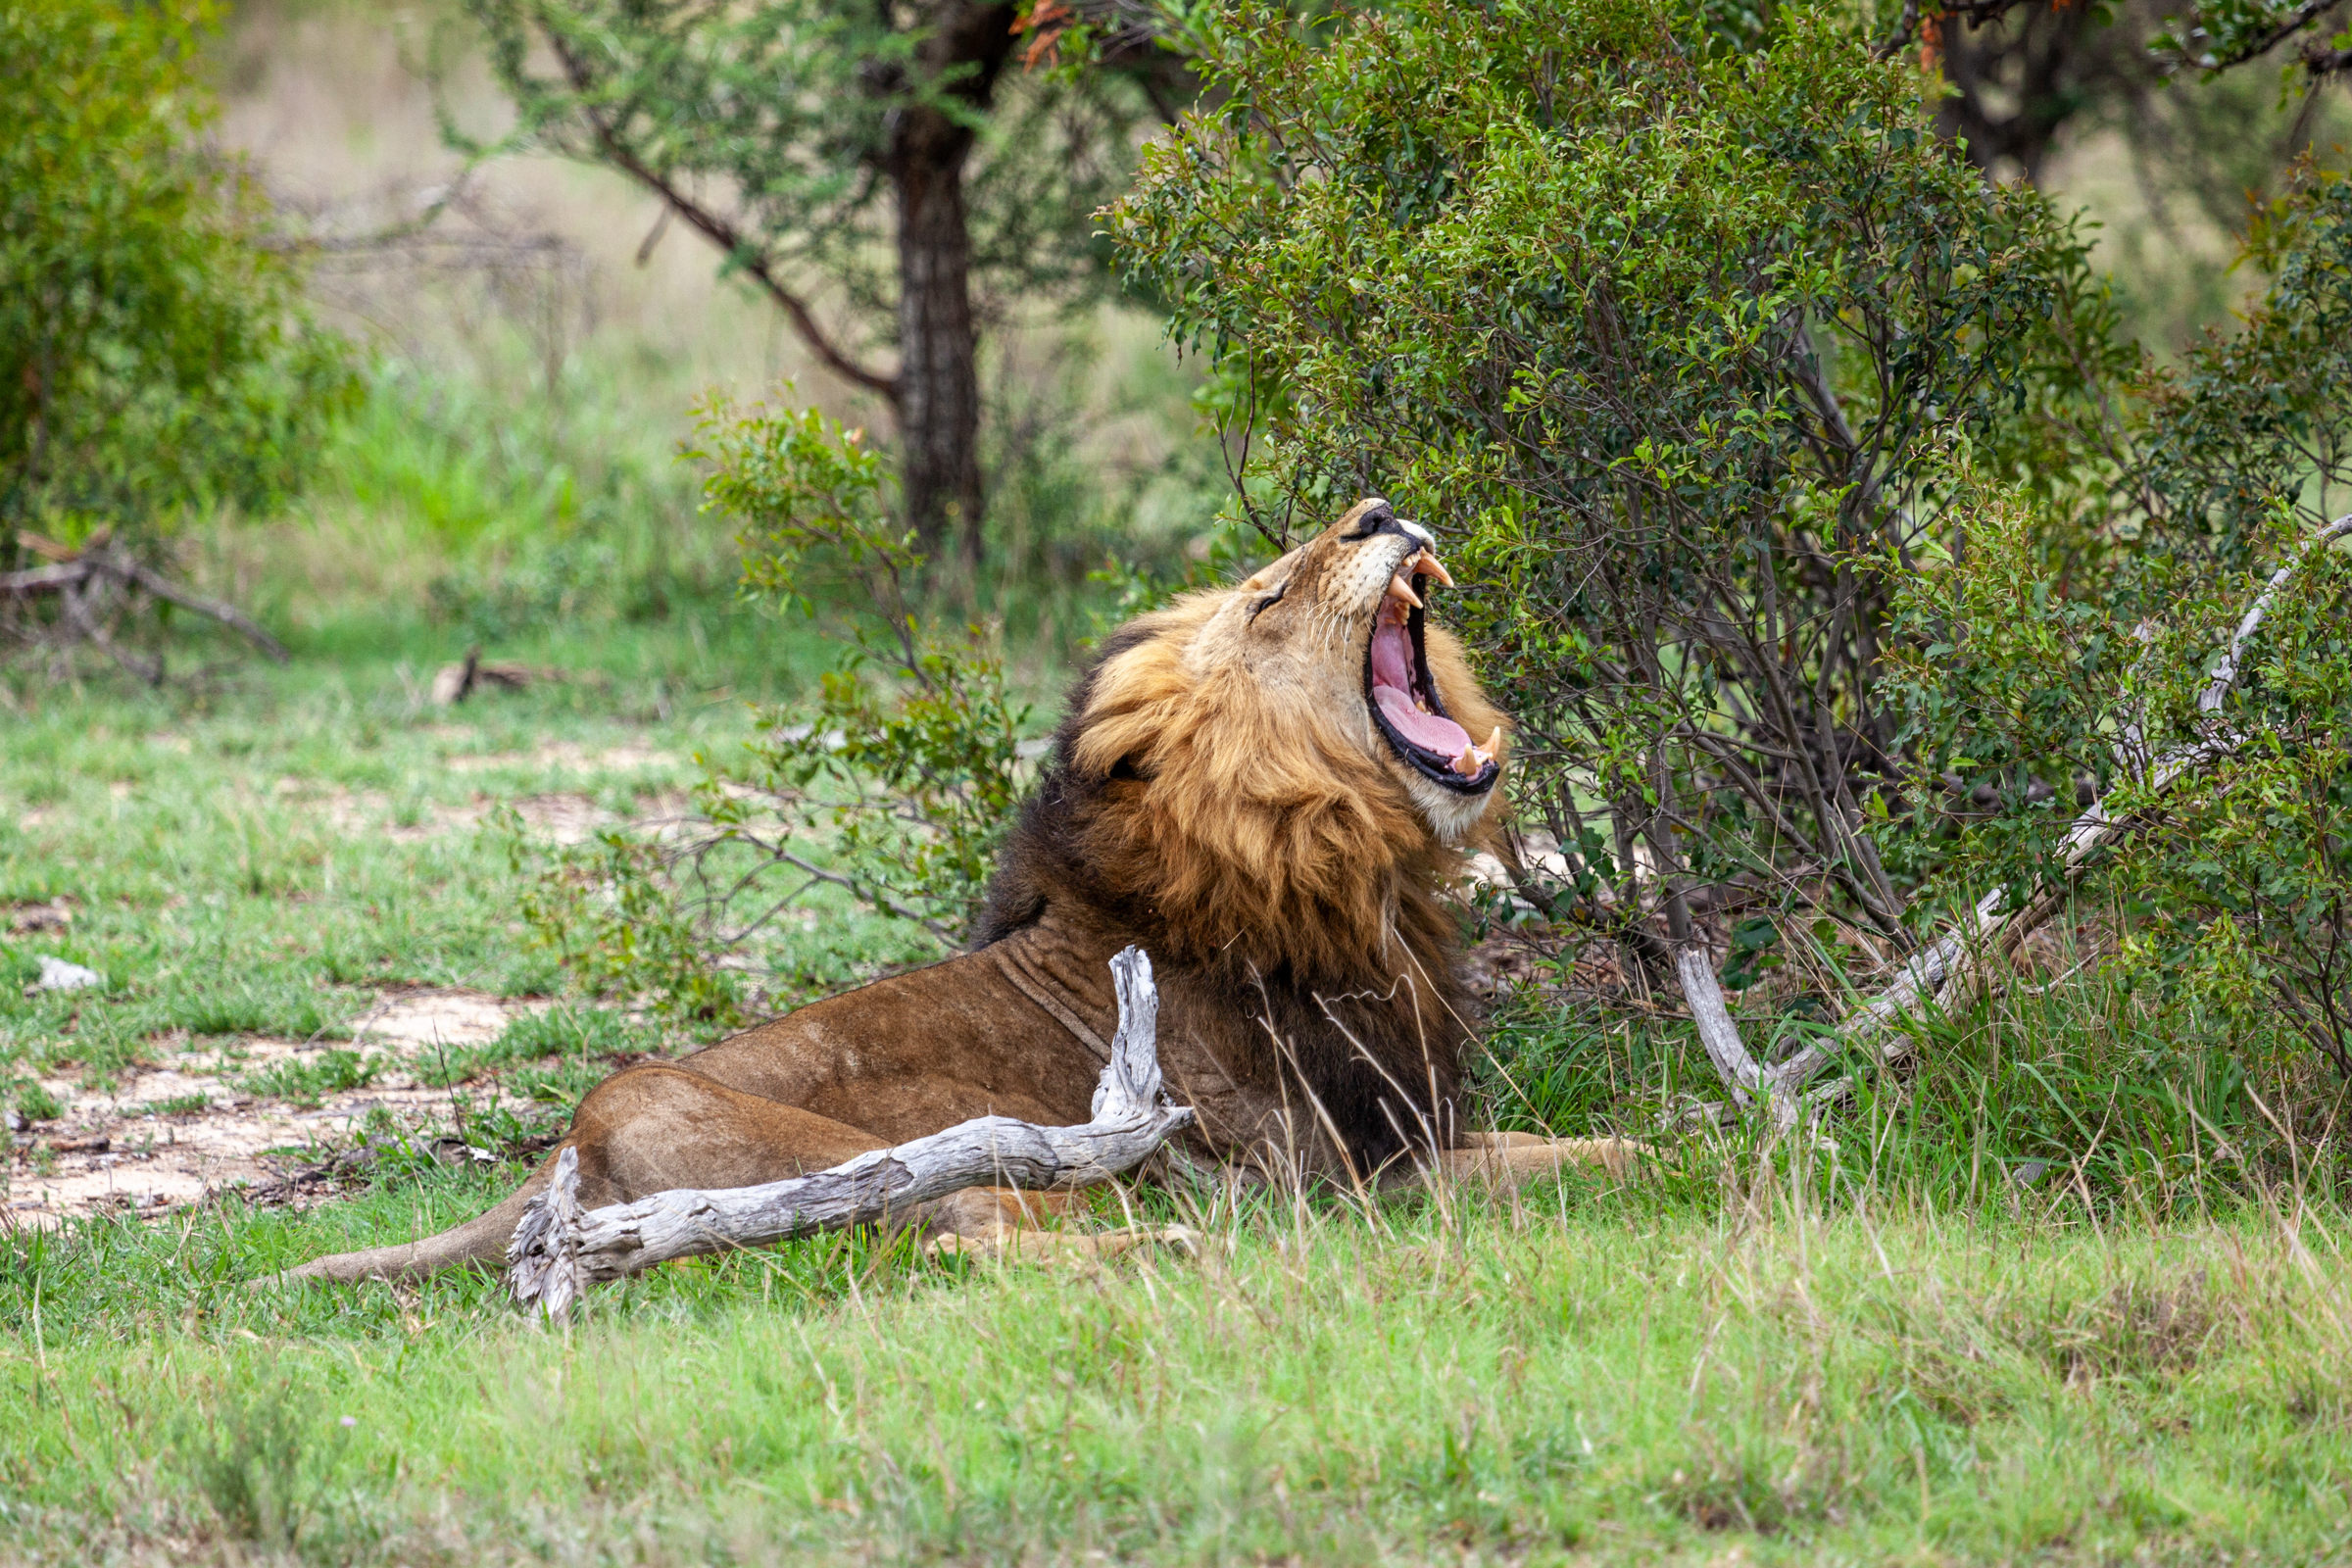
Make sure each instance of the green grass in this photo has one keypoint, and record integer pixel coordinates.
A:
(1583, 1376)
(2145, 1109)
(306, 1083)
(222, 840)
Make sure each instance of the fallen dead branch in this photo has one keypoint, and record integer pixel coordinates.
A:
(558, 1250)
(75, 574)
(1949, 970)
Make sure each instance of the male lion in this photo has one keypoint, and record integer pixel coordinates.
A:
(1263, 788)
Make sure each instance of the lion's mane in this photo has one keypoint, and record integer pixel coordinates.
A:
(1268, 865)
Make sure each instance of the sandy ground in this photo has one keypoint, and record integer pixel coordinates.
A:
(120, 1149)
(132, 1146)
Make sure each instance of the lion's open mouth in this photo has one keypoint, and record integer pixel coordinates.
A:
(1403, 699)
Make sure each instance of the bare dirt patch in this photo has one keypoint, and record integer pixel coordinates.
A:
(563, 816)
(348, 811)
(194, 1127)
(631, 757)
(24, 920)
(564, 819)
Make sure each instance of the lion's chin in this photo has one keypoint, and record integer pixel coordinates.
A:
(1453, 816)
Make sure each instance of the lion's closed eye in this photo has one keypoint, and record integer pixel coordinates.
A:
(1268, 601)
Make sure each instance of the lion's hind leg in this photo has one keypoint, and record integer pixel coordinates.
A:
(1511, 1159)
(1007, 1224)
(648, 1129)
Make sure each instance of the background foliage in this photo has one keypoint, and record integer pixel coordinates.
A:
(155, 351)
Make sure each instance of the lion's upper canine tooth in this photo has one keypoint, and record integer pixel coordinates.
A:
(1399, 588)
(1426, 563)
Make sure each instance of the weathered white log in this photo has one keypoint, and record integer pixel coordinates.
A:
(1703, 994)
(1946, 970)
(558, 1250)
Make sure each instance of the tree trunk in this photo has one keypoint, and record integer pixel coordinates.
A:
(965, 47)
(938, 373)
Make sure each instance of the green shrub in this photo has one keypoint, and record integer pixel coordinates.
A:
(1658, 322)
(907, 757)
(893, 783)
(154, 355)
(2033, 684)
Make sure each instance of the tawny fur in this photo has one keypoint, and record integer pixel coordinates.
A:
(1219, 795)
(1257, 813)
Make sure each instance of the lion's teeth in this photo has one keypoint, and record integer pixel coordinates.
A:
(1427, 564)
(1399, 589)
(1474, 758)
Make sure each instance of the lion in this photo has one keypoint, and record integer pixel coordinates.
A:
(1265, 787)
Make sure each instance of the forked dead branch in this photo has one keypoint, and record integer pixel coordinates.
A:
(558, 1250)
(1947, 971)
(83, 579)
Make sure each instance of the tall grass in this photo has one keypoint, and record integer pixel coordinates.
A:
(1575, 1375)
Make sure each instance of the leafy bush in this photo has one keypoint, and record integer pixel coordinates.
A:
(893, 783)
(2036, 684)
(154, 355)
(611, 909)
(1662, 323)
(913, 773)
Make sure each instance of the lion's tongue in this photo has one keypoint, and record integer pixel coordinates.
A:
(1392, 689)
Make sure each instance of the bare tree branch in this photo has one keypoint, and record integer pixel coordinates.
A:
(558, 1250)
(69, 578)
(722, 233)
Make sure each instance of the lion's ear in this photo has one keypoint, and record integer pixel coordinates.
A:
(1272, 574)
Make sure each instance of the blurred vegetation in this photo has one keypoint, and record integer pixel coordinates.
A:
(155, 354)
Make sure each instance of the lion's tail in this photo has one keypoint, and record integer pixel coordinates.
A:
(481, 1240)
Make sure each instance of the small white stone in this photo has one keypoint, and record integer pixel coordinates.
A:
(59, 975)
